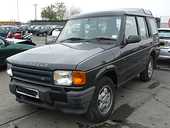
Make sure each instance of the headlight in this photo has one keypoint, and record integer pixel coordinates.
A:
(9, 70)
(77, 78)
(63, 77)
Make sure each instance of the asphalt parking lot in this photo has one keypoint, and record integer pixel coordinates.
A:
(138, 105)
(39, 40)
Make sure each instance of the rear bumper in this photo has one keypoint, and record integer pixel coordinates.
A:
(67, 101)
(164, 54)
(163, 57)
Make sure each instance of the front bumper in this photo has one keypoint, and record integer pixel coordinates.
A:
(68, 101)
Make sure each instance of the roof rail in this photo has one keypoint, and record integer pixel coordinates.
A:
(139, 10)
(146, 11)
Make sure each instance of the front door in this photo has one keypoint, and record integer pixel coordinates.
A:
(129, 63)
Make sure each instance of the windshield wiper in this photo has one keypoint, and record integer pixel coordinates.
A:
(103, 38)
(73, 39)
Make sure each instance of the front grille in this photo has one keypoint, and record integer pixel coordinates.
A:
(27, 91)
(31, 75)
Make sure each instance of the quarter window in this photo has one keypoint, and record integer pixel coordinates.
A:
(142, 27)
(153, 25)
(131, 26)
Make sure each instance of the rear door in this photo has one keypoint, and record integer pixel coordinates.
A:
(146, 40)
(149, 34)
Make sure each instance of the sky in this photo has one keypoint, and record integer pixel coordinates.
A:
(8, 8)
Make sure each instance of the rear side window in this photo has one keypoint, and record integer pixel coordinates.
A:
(153, 26)
(142, 27)
(131, 26)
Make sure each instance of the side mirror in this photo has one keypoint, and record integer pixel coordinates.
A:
(133, 39)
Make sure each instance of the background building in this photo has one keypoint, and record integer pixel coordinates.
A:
(47, 22)
(10, 23)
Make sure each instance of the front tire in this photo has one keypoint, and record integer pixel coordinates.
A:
(102, 104)
(146, 75)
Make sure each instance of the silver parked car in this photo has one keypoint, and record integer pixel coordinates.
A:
(164, 35)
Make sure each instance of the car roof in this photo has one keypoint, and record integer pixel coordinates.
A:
(127, 11)
(164, 29)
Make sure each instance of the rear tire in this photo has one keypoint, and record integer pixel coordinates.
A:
(102, 104)
(146, 75)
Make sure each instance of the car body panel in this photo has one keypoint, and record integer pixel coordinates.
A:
(3, 33)
(8, 50)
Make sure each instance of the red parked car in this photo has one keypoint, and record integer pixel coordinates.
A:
(13, 32)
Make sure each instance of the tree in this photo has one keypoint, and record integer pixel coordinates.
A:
(54, 11)
(74, 11)
(60, 10)
(49, 12)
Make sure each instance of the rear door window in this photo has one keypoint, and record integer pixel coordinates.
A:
(142, 27)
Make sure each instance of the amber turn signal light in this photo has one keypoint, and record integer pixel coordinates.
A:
(79, 78)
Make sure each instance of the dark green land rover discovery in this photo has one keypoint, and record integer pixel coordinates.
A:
(95, 54)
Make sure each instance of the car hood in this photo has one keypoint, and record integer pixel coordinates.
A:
(57, 56)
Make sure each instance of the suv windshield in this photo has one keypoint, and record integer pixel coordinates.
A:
(164, 34)
(92, 28)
